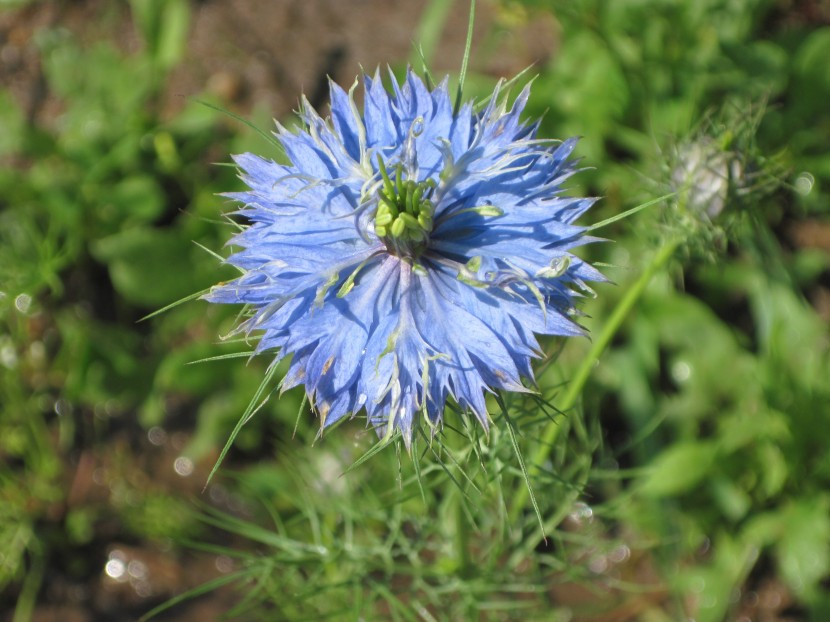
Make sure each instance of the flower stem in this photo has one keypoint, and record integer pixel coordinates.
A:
(462, 525)
(577, 382)
(462, 536)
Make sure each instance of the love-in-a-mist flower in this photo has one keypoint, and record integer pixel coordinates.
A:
(408, 254)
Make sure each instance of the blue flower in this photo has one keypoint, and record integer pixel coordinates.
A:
(409, 254)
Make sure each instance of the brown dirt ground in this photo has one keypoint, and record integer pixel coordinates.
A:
(267, 53)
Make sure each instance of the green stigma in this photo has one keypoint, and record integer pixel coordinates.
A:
(404, 215)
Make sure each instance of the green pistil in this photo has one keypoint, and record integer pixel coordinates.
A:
(404, 216)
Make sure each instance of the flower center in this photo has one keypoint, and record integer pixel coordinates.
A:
(404, 215)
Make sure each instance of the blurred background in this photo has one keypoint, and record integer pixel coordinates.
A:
(693, 482)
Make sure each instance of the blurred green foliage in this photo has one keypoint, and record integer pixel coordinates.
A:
(700, 445)
(721, 376)
(101, 206)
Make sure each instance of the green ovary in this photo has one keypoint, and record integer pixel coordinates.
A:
(404, 215)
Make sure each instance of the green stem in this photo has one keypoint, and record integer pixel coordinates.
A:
(31, 586)
(462, 535)
(462, 525)
(577, 383)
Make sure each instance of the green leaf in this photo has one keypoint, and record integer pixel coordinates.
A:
(163, 25)
(679, 469)
(522, 467)
(588, 87)
(433, 19)
(137, 198)
(812, 83)
(149, 267)
(763, 65)
(804, 546)
(11, 124)
(172, 36)
(260, 398)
